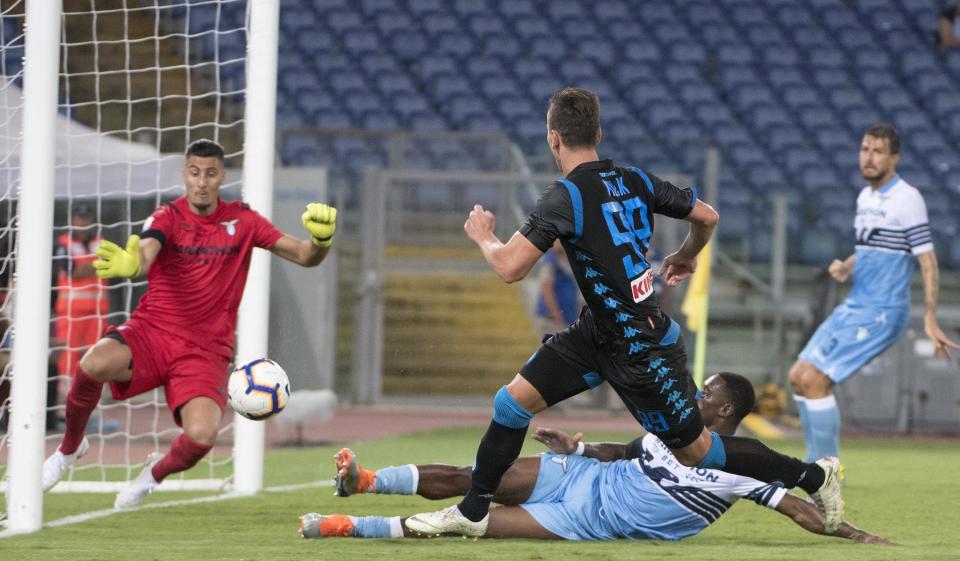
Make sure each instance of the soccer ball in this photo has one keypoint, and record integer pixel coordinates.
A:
(258, 389)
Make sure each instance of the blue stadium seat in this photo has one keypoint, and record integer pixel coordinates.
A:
(860, 119)
(430, 66)
(802, 97)
(816, 117)
(502, 45)
(392, 22)
(644, 52)
(892, 100)
(735, 54)
(715, 34)
(531, 27)
(768, 117)
(553, 49)
(787, 78)
(513, 8)
(847, 98)
(454, 43)
(438, 24)
(816, 42)
(408, 47)
(786, 138)
(482, 25)
(929, 83)
(343, 21)
(526, 68)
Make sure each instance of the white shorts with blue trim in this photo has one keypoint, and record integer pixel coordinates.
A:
(852, 336)
(566, 498)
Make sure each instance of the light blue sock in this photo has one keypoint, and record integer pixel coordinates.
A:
(824, 427)
(397, 480)
(805, 423)
(376, 527)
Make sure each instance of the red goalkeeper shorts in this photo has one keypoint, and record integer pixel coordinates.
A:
(184, 369)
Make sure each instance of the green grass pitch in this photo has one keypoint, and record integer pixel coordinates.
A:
(904, 490)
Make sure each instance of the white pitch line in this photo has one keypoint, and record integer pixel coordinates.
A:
(87, 516)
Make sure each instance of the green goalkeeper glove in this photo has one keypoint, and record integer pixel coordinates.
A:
(118, 262)
(321, 221)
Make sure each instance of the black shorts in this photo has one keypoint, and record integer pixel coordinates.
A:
(655, 385)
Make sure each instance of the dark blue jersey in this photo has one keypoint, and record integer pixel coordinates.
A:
(603, 216)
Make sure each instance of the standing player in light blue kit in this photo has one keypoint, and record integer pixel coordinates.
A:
(892, 235)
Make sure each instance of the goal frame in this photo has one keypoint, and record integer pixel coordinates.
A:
(35, 238)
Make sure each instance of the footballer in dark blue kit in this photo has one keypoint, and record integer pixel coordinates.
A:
(603, 215)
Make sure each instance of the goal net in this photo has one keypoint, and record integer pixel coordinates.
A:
(139, 80)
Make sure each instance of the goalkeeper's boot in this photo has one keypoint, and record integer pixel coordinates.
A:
(447, 521)
(58, 462)
(313, 525)
(827, 498)
(351, 478)
(141, 486)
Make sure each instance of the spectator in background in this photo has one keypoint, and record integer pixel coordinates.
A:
(81, 298)
(948, 27)
(558, 302)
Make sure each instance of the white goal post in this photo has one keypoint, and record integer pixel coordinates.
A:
(37, 174)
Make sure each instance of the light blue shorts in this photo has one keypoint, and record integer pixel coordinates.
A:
(852, 336)
(566, 498)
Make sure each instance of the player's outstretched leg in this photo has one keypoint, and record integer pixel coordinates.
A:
(750, 457)
(351, 478)
(141, 486)
(313, 525)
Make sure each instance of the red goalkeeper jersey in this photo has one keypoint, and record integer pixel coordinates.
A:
(195, 285)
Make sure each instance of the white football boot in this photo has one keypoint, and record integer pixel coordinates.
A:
(58, 462)
(447, 521)
(138, 488)
(827, 498)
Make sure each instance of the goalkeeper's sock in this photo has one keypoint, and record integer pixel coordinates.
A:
(749, 457)
(184, 453)
(824, 438)
(82, 399)
(376, 527)
(805, 423)
(397, 480)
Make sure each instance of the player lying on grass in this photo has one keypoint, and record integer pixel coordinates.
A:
(584, 491)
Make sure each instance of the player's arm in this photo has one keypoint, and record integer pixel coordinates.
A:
(930, 272)
(805, 515)
(302, 252)
(511, 261)
(841, 270)
(562, 443)
(682, 263)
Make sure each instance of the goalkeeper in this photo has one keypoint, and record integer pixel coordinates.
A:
(195, 253)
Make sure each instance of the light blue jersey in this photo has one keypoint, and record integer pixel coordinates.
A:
(891, 228)
(650, 498)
